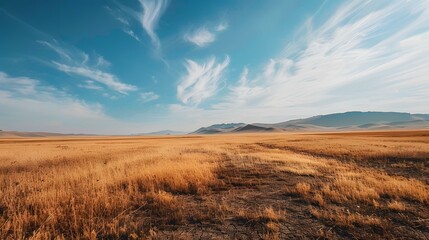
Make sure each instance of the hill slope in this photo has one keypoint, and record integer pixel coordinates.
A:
(15, 134)
(332, 122)
(160, 133)
(219, 128)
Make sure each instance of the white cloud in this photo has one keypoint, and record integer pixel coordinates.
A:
(200, 37)
(132, 34)
(149, 18)
(28, 105)
(361, 58)
(76, 62)
(204, 36)
(60, 51)
(221, 27)
(123, 18)
(90, 85)
(110, 80)
(201, 80)
(101, 62)
(148, 97)
(368, 56)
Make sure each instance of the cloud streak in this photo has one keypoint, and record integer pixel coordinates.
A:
(204, 36)
(368, 56)
(150, 16)
(361, 57)
(200, 37)
(110, 80)
(90, 85)
(221, 27)
(201, 80)
(148, 97)
(21, 97)
(75, 62)
(124, 20)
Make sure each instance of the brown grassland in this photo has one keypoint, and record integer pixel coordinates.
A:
(364, 185)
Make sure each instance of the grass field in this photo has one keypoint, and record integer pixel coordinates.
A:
(259, 186)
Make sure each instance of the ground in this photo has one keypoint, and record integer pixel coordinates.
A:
(363, 185)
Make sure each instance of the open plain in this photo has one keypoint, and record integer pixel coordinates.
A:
(363, 185)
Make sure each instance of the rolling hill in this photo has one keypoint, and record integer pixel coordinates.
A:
(161, 133)
(16, 134)
(219, 128)
(347, 121)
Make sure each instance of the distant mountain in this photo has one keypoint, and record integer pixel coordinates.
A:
(255, 128)
(348, 121)
(332, 122)
(163, 132)
(352, 118)
(219, 128)
(421, 116)
(15, 134)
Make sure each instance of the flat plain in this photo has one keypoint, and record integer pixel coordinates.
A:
(364, 185)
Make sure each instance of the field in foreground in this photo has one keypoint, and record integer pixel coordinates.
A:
(257, 186)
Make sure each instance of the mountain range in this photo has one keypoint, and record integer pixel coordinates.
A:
(163, 132)
(348, 121)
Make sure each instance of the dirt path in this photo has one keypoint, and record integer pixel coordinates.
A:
(234, 210)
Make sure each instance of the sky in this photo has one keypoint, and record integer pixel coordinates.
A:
(134, 66)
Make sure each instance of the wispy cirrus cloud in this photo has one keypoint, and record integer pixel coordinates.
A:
(88, 84)
(200, 37)
(362, 57)
(204, 36)
(222, 26)
(75, 62)
(201, 80)
(148, 97)
(368, 56)
(110, 80)
(124, 19)
(132, 34)
(49, 107)
(150, 16)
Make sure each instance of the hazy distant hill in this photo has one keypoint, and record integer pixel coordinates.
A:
(14, 134)
(351, 119)
(255, 128)
(219, 128)
(421, 116)
(347, 121)
(331, 122)
(163, 132)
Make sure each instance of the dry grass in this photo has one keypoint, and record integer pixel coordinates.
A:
(303, 188)
(368, 187)
(346, 219)
(113, 188)
(92, 188)
(410, 145)
(396, 206)
(267, 214)
(267, 218)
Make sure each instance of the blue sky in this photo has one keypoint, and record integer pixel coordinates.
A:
(121, 67)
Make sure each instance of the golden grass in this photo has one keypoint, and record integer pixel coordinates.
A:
(396, 205)
(346, 219)
(303, 188)
(268, 218)
(90, 189)
(349, 146)
(126, 187)
(267, 214)
(368, 186)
